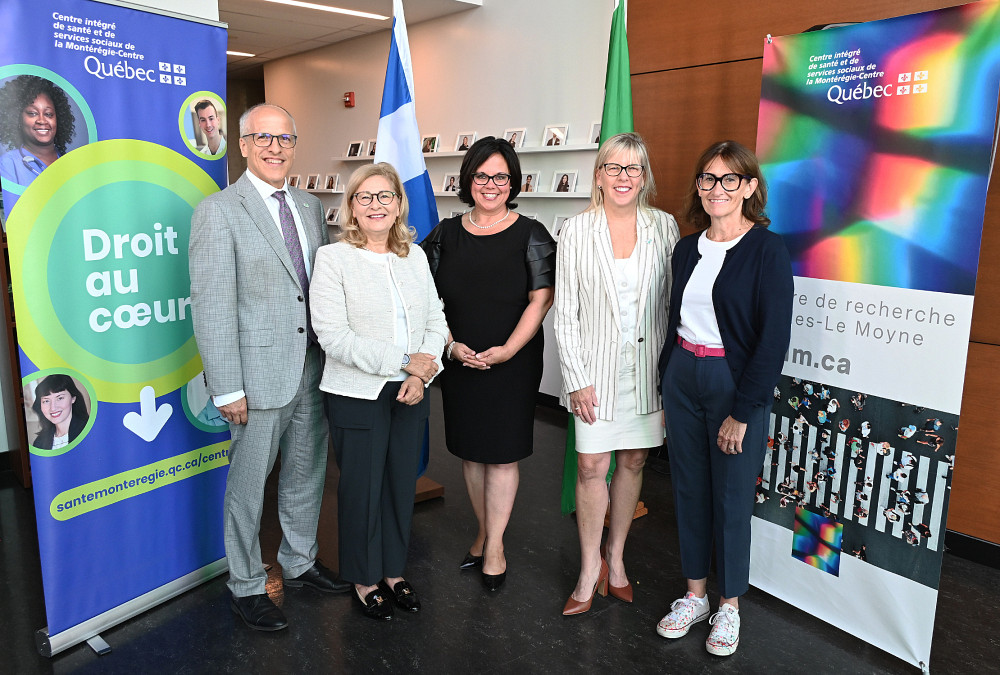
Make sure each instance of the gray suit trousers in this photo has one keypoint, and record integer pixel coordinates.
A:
(299, 430)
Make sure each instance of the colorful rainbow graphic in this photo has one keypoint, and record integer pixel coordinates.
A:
(877, 164)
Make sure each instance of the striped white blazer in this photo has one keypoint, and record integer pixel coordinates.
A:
(587, 317)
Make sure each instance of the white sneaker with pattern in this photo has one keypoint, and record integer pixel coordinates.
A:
(683, 613)
(725, 635)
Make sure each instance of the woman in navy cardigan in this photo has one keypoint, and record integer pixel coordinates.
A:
(727, 333)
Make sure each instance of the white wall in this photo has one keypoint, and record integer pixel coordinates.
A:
(510, 63)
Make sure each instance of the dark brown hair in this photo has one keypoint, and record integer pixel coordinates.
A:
(741, 160)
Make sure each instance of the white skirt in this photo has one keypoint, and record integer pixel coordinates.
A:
(628, 431)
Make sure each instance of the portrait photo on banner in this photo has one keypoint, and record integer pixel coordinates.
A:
(57, 409)
(39, 123)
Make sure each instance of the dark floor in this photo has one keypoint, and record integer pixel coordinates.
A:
(462, 628)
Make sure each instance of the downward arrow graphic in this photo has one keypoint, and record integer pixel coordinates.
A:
(146, 423)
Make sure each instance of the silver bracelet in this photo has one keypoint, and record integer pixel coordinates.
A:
(448, 350)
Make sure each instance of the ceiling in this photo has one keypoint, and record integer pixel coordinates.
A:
(271, 31)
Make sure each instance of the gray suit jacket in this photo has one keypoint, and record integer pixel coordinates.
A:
(248, 310)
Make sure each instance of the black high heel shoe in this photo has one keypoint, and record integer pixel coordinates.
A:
(470, 561)
(492, 582)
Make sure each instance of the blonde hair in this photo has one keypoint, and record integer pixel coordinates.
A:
(629, 143)
(400, 234)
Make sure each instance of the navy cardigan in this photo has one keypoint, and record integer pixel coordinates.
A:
(753, 305)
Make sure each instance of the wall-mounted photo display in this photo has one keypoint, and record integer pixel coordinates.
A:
(430, 143)
(515, 136)
(332, 214)
(530, 183)
(564, 181)
(555, 134)
(557, 225)
(464, 140)
(595, 132)
(371, 147)
(450, 183)
(312, 181)
(332, 181)
(294, 180)
(354, 149)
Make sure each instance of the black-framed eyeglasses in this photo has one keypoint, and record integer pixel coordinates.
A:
(632, 170)
(263, 139)
(385, 197)
(730, 181)
(499, 179)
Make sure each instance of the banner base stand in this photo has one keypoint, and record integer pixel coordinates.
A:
(99, 645)
(50, 645)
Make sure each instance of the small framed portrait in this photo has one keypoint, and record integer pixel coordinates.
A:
(514, 136)
(354, 149)
(331, 182)
(371, 147)
(430, 143)
(450, 183)
(557, 225)
(312, 181)
(464, 140)
(529, 182)
(294, 180)
(555, 134)
(455, 214)
(564, 181)
(595, 132)
(332, 214)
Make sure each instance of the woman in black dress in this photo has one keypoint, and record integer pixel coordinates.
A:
(495, 272)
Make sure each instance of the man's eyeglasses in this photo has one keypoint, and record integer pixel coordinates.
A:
(385, 197)
(263, 139)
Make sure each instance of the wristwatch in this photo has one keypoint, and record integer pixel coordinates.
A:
(406, 360)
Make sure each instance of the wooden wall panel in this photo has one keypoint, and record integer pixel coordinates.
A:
(986, 312)
(682, 112)
(974, 508)
(666, 35)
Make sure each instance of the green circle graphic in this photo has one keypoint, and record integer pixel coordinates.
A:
(132, 280)
(118, 187)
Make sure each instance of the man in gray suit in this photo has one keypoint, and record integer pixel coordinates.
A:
(251, 253)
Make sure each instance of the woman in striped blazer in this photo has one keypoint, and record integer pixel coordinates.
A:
(612, 282)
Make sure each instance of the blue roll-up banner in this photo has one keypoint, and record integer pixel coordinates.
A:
(108, 147)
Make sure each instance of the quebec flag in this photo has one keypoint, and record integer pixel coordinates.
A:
(398, 141)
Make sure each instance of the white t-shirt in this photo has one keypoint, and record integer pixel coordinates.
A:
(698, 322)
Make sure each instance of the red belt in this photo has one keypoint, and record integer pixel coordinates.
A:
(700, 350)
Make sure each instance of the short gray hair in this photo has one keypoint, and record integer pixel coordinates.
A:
(244, 118)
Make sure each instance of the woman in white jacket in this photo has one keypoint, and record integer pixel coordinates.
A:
(612, 285)
(377, 316)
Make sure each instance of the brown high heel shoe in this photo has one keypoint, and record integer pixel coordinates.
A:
(623, 593)
(600, 586)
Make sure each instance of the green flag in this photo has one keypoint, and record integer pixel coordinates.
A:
(616, 119)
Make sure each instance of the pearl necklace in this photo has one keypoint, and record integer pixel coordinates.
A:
(486, 227)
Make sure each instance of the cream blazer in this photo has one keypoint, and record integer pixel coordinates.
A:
(587, 317)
